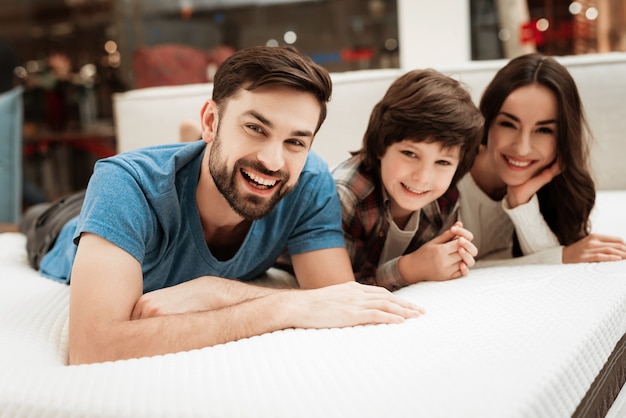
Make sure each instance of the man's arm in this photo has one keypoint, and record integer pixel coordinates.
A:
(201, 294)
(107, 283)
(315, 269)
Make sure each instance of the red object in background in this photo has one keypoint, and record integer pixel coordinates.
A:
(357, 54)
(56, 111)
(558, 31)
(169, 65)
(529, 34)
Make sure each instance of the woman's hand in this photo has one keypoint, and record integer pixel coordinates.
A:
(519, 195)
(595, 247)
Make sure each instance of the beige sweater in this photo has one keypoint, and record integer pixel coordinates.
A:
(492, 223)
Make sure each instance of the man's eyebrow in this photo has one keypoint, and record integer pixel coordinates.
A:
(541, 122)
(269, 124)
(260, 117)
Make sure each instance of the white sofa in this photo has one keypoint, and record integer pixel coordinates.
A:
(152, 116)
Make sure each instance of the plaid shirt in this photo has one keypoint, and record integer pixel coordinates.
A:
(365, 226)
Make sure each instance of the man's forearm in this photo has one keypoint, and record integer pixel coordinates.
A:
(341, 305)
(180, 332)
(202, 294)
(229, 292)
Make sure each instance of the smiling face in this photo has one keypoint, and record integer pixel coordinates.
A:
(259, 145)
(523, 135)
(415, 174)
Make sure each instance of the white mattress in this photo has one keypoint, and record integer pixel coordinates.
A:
(502, 342)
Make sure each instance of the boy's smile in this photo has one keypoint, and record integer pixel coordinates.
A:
(415, 174)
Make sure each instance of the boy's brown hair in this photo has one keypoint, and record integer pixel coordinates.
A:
(424, 105)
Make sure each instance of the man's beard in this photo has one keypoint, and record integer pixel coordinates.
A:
(251, 207)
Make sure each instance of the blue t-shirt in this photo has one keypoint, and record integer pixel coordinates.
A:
(144, 201)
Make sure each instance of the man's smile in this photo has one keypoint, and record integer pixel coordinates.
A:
(258, 181)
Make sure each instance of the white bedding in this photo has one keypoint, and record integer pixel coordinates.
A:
(502, 342)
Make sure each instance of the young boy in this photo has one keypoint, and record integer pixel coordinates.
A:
(398, 195)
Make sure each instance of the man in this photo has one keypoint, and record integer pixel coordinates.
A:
(164, 230)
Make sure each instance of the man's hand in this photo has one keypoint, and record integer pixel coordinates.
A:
(595, 247)
(518, 195)
(448, 256)
(346, 304)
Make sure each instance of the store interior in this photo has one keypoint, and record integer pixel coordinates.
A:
(70, 57)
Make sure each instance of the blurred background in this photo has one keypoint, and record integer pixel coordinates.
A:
(70, 56)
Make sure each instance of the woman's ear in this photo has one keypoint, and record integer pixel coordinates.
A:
(210, 119)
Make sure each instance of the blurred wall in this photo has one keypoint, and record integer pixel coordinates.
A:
(433, 33)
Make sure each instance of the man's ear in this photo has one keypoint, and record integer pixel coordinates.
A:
(209, 116)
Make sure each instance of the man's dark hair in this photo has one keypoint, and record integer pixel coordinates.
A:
(255, 67)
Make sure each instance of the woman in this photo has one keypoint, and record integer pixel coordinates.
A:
(530, 191)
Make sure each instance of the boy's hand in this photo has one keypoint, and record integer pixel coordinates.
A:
(448, 256)
(519, 195)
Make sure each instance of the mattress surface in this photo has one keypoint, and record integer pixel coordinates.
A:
(502, 342)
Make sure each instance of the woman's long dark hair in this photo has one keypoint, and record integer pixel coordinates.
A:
(568, 199)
